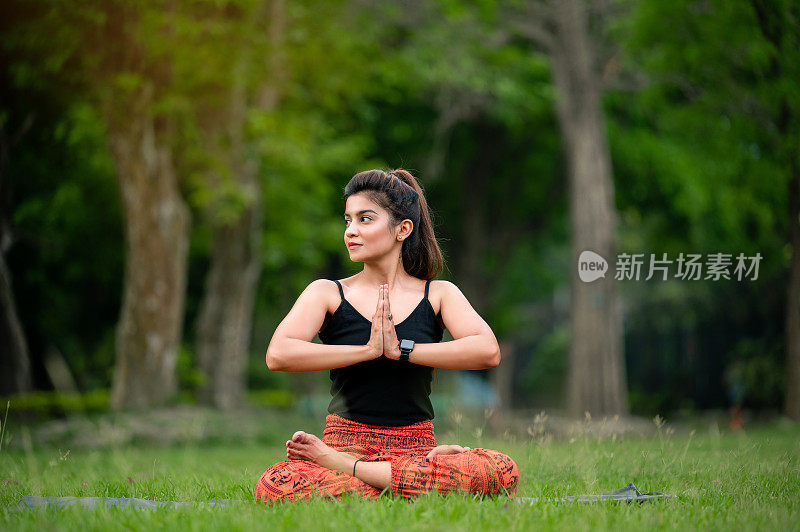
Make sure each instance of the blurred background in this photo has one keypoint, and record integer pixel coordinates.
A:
(171, 178)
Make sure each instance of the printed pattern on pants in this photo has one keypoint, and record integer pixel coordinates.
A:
(477, 471)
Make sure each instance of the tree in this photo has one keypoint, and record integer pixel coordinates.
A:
(155, 215)
(596, 381)
(16, 366)
(779, 23)
(234, 204)
(117, 57)
(723, 78)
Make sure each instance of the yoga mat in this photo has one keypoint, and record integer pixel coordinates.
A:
(28, 502)
(627, 494)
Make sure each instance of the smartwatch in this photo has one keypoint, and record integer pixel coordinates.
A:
(406, 346)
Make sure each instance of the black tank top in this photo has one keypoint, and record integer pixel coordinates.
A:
(381, 391)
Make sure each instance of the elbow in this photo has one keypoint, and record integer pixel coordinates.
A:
(273, 361)
(494, 358)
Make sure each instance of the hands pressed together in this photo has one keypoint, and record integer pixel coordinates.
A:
(383, 341)
(383, 337)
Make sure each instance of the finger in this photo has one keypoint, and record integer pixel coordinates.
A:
(378, 309)
(382, 303)
(378, 316)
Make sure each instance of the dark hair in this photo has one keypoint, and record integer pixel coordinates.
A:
(398, 192)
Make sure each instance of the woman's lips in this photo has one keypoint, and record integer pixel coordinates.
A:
(353, 246)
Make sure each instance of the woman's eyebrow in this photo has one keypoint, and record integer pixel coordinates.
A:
(362, 212)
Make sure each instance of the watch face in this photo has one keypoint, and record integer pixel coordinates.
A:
(407, 344)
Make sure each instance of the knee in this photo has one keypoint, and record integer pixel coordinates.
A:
(506, 472)
(274, 485)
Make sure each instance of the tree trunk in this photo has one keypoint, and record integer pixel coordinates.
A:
(792, 398)
(596, 378)
(156, 222)
(15, 365)
(225, 320)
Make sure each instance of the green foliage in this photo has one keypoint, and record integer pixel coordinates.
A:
(699, 150)
(41, 405)
(545, 369)
(69, 242)
(190, 378)
(700, 167)
(698, 141)
(757, 371)
(272, 398)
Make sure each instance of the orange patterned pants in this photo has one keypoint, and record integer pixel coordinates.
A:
(477, 471)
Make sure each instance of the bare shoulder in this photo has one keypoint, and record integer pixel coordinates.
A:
(440, 290)
(458, 315)
(325, 292)
(440, 286)
(308, 313)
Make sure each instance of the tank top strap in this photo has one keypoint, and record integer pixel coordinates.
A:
(341, 292)
(427, 284)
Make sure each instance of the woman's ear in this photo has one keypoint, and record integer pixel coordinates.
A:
(406, 228)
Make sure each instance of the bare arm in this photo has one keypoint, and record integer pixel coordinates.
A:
(291, 348)
(470, 352)
(474, 345)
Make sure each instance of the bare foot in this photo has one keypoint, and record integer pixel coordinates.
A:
(305, 446)
(446, 449)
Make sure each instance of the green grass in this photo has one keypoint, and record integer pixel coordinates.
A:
(745, 480)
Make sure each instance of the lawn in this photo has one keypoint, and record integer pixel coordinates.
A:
(722, 480)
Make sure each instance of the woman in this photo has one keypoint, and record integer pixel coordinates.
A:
(378, 432)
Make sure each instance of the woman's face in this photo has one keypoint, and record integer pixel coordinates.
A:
(367, 224)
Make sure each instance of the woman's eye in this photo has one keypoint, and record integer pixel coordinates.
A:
(362, 218)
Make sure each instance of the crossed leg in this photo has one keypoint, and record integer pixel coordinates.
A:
(314, 467)
(295, 480)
